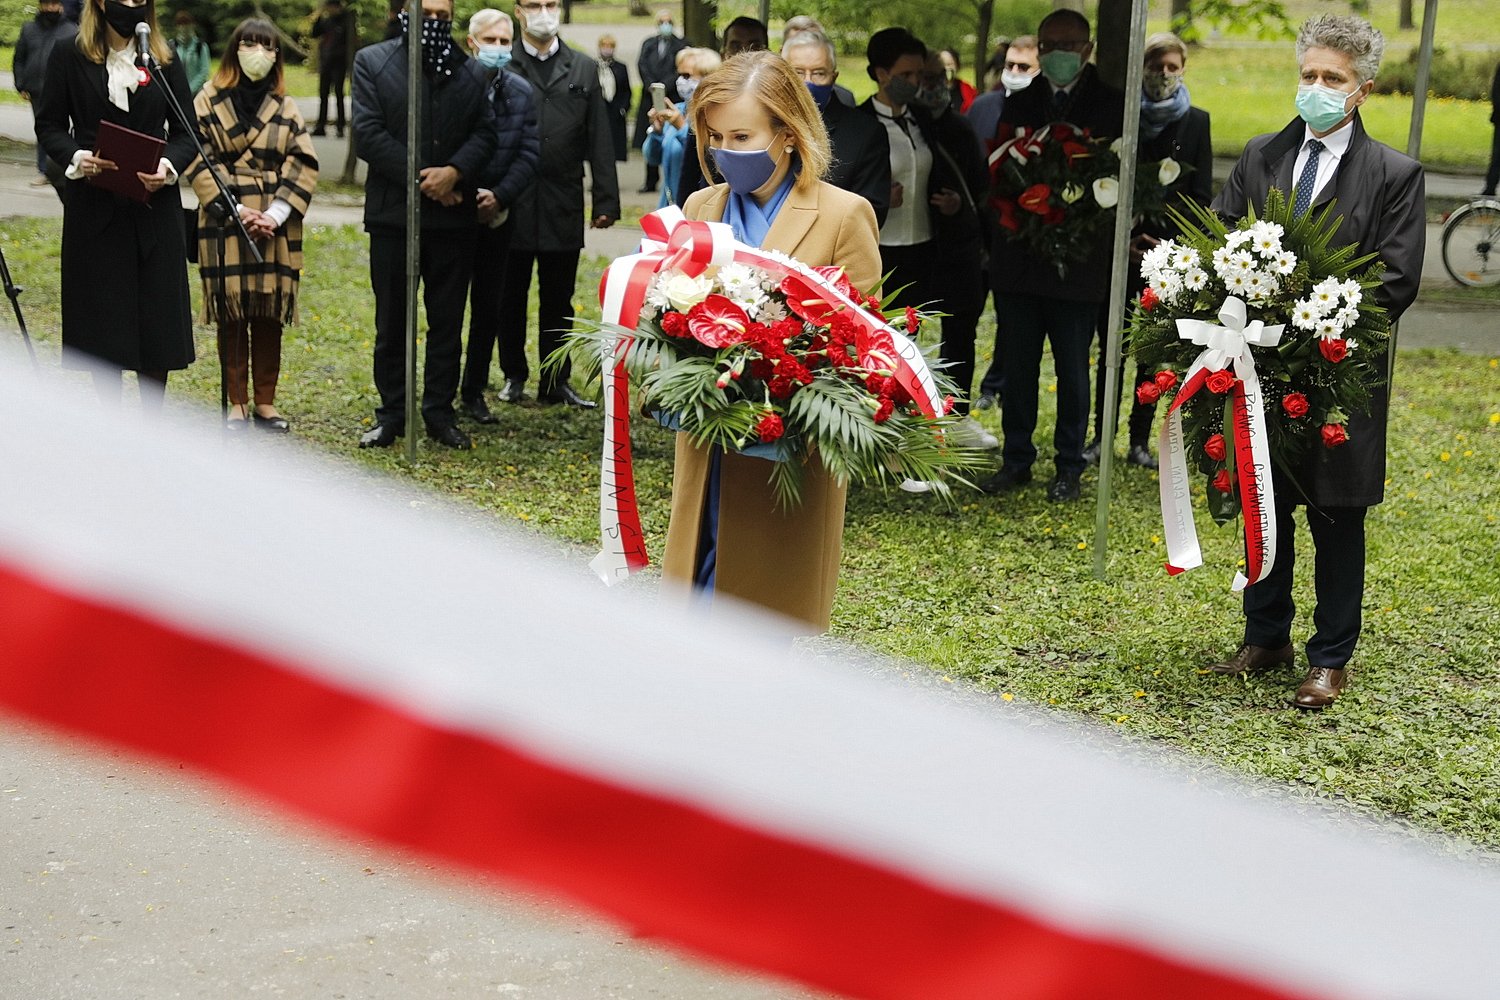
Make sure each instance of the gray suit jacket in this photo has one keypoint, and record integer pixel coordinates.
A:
(1380, 197)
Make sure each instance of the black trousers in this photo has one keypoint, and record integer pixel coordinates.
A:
(1338, 535)
(556, 274)
(446, 260)
(331, 81)
(490, 246)
(1492, 176)
(948, 281)
(1031, 321)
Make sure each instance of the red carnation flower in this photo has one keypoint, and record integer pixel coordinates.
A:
(1295, 404)
(1149, 299)
(762, 369)
(948, 403)
(1165, 379)
(780, 387)
(1034, 199)
(875, 384)
(1221, 481)
(674, 324)
(1221, 381)
(883, 412)
(1214, 448)
(1334, 350)
(913, 321)
(1334, 435)
(1147, 393)
(769, 427)
(717, 322)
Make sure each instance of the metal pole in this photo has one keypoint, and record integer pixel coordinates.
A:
(1424, 76)
(764, 13)
(413, 219)
(1119, 278)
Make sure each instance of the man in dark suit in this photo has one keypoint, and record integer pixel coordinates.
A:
(1492, 176)
(332, 29)
(1034, 304)
(549, 219)
(657, 64)
(458, 136)
(1321, 156)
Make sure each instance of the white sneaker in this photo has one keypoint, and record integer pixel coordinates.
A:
(970, 433)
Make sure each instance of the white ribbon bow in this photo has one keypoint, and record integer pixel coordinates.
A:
(1224, 344)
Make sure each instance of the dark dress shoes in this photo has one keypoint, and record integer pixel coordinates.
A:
(449, 436)
(1140, 455)
(986, 401)
(567, 394)
(514, 391)
(1321, 687)
(1255, 659)
(272, 425)
(380, 436)
(1091, 452)
(1063, 488)
(236, 425)
(478, 411)
(1007, 479)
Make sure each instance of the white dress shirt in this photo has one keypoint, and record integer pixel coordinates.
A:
(911, 166)
(1335, 145)
(536, 53)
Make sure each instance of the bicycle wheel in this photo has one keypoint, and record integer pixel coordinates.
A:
(1471, 244)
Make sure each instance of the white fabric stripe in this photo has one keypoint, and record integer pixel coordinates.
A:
(411, 608)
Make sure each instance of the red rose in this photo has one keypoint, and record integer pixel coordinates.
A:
(1034, 199)
(717, 322)
(1221, 481)
(1147, 393)
(674, 324)
(769, 427)
(1334, 350)
(1214, 448)
(1165, 379)
(1334, 435)
(883, 412)
(1149, 299)
(1220, 381)
(1295, 404)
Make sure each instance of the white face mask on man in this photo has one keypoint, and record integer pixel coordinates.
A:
(542, 24)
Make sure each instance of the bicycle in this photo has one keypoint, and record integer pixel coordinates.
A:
(1471, 243)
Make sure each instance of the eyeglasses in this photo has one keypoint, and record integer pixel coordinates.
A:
(537, 8)
(815, 75)
(1051, 44)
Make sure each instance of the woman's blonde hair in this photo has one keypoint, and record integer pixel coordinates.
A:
(93, 34)
(705, 61)
(786, 100)
(1162, 42)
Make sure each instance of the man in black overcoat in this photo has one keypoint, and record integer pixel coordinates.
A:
(332, 29)
(458, 140)
(1034, 304)
(1492, 176)
(1379, 195)
(657, 64)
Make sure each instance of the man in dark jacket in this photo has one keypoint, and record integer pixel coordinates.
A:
(657, 64)
(549, 219)
(332, 30)
(1321, 156)
(509, 175)
(458, 140)
(33, 49)
(1492, 176)
(1034, 304)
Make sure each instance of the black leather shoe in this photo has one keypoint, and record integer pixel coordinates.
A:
(380, 436)
(272, 425)
(1140, 455)
(1006, 479)
(449, 436)
(236, 425)
(986, 401)
(1091, 453)
(1063, 488)
(646, 189)
(1250, 659)
(478, 411)
(514, 391)
(567, 394)
(319, 131)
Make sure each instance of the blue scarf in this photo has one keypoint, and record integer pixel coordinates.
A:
(750, 220)
(1157, 115)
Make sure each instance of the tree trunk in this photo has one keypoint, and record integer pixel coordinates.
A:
(1407, 22)
(698, 17)
(982, 40)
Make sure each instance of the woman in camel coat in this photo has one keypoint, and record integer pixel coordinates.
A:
(759, 123)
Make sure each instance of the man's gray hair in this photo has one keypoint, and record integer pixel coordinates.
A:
(1353, 36)
(487, 17)
(809, 38)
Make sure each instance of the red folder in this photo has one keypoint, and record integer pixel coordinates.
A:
(132, 152)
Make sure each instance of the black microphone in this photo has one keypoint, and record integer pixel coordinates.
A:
(143, 43)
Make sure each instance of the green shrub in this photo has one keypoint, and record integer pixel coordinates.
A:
(1453, 74)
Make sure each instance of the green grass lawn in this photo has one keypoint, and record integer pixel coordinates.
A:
(999, 591)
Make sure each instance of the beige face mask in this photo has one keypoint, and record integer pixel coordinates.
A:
(256, 63)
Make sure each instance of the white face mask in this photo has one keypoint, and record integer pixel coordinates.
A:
(544, 24)
(1014, 80)
(256, 63)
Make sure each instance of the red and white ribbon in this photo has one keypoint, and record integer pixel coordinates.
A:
(674, 243)
(1224, 346)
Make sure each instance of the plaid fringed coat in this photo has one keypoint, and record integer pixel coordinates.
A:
(261, 160)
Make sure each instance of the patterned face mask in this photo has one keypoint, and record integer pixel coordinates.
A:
(437, 43)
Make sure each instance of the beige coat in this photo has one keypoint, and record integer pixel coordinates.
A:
(786, 561)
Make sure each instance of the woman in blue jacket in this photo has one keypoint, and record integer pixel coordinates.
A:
(670, 135)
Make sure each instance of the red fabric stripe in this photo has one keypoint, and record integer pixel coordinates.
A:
(666, 868)
(1252, 490)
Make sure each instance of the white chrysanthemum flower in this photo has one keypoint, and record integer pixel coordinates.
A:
(1243, 261)
(1350, 290)
(752, 303)
(1347, 317)
(1238, 282)
(1185, 258)
(1155, 259)
(1236, 238)
(771, 311)
(1221, 257)
(1284, 262)
(1329, 329)
(1351, 345)
(1195, 279)
(1304, 316)
(656, 293)
(1267, 229)
(739, 281)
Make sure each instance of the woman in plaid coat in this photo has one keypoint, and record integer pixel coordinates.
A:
(259, 143)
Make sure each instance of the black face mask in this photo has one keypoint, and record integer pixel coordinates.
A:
(48, 18)
(124, 19)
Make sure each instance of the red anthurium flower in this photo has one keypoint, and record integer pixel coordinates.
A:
(877, 351)
(1074, 150)
(808, 300)
(839, 280)
(1334, 435)
(1005, 212)
(1034, 199)
(717, 322)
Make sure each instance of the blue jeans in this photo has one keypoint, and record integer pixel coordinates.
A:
(1027, 322)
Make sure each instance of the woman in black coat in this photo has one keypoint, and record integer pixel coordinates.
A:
(124, 262)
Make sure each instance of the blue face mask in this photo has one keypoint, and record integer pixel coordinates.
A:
(664, 29)
(745, 170)
(493, 56)
(821, 93)
(1321, 107)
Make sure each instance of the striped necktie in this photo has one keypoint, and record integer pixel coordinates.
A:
(1303, 196)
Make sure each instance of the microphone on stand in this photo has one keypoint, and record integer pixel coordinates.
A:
(143, 52)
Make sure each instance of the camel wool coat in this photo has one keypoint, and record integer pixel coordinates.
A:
(786, 561)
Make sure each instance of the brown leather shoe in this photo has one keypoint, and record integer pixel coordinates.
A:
(1321, 687)
(1255, 659)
